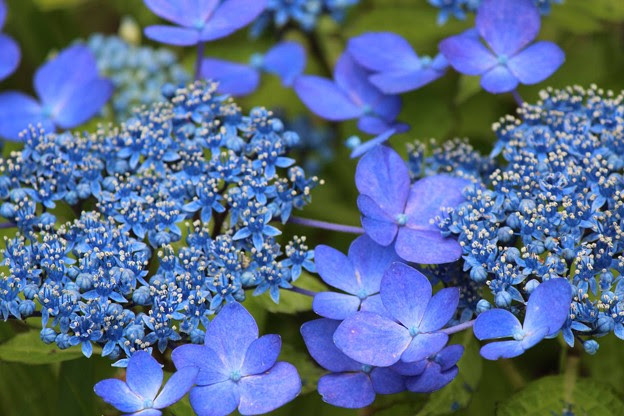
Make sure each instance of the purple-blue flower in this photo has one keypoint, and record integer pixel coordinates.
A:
(411, 333)
(396, 67)
(507, 27)
(201, 20)
(139, 395)
(350, 95)
(358, 275)
(350, 384)
(546, 312)
(9, 50)
(434, 372)
(287, 60)
(70, 92)
(395, 211)
(359, 148)
(236, 368)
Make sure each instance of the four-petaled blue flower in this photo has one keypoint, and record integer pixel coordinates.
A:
(396, 67)
(507, 26)
(412, 330)
(350, 95)
(236, 368)
(287, 60)
(70, 92)
(9, 50)
(391, 207)
(432, 373)
(201, 20)
(139, 394)
(546, 312)
(359, 275)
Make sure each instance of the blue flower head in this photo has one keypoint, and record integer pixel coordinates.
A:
(395, 66)
(202, 20)
(411, 332)
(70, 93)
(507, 27)
(236, 368)
(10, 54)
(140, 394)
(350, 95)
(393, 211)
(546, 312)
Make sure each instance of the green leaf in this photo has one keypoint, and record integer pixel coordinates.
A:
(601, 365)
(307, 368)
(57, 4)
(28, 348)
(553, 394)
(290, 302)
(27, 390)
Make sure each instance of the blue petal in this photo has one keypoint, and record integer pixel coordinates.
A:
(383, 51)
(372, 143)
(383, 176)
(496, 323)
(286, 60)
(405, 293)
(325, 99)
(176, 387)
(144, 375)
(440, 310)
(449, 356)
(372, 339)
(318, 337)
(262, 354)
(184, 12)
(9, 56)
(172, 35)
(335, 305)
(537, 62)
(507, 25)
(146, 412)
(234, 79)
(426, 247)
(466, 54)
(410, 369)
(349, 390)
(83, 103)
(266, 392)
(400, 82)
(377, 224)
(386, 381)
(219, 399)
(533, 337)
(17, 112)
(502, 349)
(498, 80)
(117, 393)
(424, 345)
(211, 368)
(375, 305)
(374, 125)
(370, 261)
(335, 269)
(432, 379)
(230, 16)
(548, 306)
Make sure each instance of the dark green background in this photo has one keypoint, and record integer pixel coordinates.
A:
(546, 380)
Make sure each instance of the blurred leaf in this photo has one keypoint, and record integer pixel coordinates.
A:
(27, 390)
(468, 86)
(181, 408)
(28, 348)
(307, 368)
(76, 381)
(553, 394)
(57, 4)
(290, 302)
(609, 357)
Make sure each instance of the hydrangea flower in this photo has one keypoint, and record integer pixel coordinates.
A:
(10, 54)
(287, 60)
(507, 27)
(350, 95)
(359, 275)
(70, 93)
(140, 394)
(412, 330)
(396, 67)
(546, 312)
(393, 211)
(237, 370)
(359, 148)
(201, 21)
(434, 372)
(459, 8)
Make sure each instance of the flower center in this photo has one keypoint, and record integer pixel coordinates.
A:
(366, 368)
(502, 59)
(148, 404)
(235, 376)
(414, 331)
(401, 219)
(519, 336)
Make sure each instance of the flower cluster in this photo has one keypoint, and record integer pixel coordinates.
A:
(175, 207)
(137, 72)
(553, 208)
(459, 8)
(10, 54)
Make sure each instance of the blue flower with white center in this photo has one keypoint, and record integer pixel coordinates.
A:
(393, 211)
(203, 21)
(10, 54)
(546, 312)
(140, 394)
(411, 332)
(237, 370)
(64, 101)
(359, 275)
(299, 257)
(256, 226)
(508, 27)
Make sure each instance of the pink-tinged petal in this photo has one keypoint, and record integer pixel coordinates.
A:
(387, 381)
(176, 387)
(335, 269)
(325, 99)
(498, 80)
(117, 393)
(466, 54)
(318, 337)
(372, 339)
(348, 390)
(9, 56)
(383, 51)
(262, 354)
(173, 35)
(370, 261)
(496, 323)
(423, 346)
(548, 306)
(234, 79)
(507, 25)
(215, 400)
(537, 62)
(266, 392)
(335, 305)
(426, 247)
(144, 375)
(405, 293)
(502, 349)
(440, 310)
(432, 379)
(230, 16)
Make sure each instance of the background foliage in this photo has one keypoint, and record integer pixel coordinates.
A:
(47, 381)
